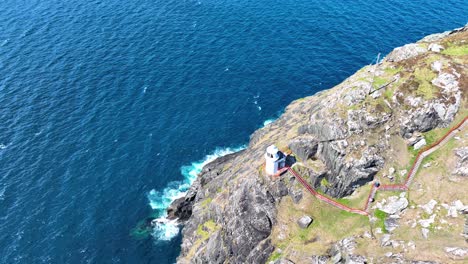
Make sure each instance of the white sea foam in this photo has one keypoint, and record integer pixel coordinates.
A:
(268, 121)
(160, 200)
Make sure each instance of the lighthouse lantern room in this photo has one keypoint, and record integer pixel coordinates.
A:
(274, 160)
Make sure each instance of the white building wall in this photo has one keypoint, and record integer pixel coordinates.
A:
(271, 167)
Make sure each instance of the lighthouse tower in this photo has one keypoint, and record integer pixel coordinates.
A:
(274, 160)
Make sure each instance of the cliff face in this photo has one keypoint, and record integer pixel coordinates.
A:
(341, 138)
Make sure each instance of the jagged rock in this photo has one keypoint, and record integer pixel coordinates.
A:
(319, 259)
(461, 167)
(436, 66)
(452, 212)
(465, 226)
(356, 259)
(304, 221)
(367, 234)
(395, 205)
(421, 120)
(342, 252)
(260, 253)
(425, 232)
(212, 254)
(349, 147)
(296, 193)
(346, 176)
(457, 251)
(180, 209)
(405, 52)
(421, 143)
(435, 37)
(448, 82)
(414, 139)
(429, 207)
(385, 240)
(391, 223)
(304, 147)
(427, 222)
(458, 205)
(435, 47)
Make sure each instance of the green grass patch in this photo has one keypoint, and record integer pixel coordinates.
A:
(303, 234)
(331, 219)
(442, 152)
(204, 230)
(432, 58)
(432, 136)
(425, 90)
(324, 182)
(424, 76)
(388, 93)
(356, 200)
(456, 50)
(380, 215)
(274, 256)
(379, 81)
(393, 71)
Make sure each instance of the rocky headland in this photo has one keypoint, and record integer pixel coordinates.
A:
(370, 127)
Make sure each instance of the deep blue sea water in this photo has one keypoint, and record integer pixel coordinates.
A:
(109, 108)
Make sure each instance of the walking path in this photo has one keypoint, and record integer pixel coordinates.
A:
(393, 187)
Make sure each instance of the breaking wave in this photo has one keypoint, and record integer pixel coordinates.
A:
(268, 121)
(165, 229)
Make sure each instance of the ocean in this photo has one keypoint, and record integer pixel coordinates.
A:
(108, 109)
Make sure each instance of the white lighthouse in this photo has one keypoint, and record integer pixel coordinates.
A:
(274, 160)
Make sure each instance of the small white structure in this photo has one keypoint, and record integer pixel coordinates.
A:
(275, 160)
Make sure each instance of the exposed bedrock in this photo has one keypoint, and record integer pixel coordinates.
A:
(341, 139)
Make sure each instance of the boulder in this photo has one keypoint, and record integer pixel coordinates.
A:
(461, 168)
(391, 223)
(425, 232)
(447, 81)
(395, 205)
(435, 47)
(405, 52)
(385, 240)
(436, 66)
(429, 207)
(458, 205)
(421, 143)
(457, 252)
(427, 222)
(304, 222)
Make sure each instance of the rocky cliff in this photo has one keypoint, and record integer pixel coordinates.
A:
(367, 127)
